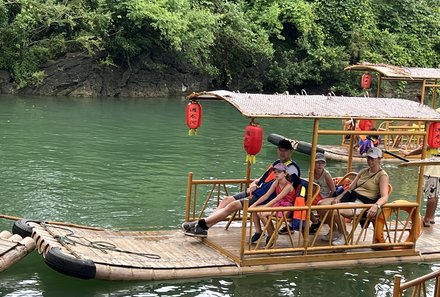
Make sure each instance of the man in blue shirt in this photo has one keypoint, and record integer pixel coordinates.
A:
(258, 188)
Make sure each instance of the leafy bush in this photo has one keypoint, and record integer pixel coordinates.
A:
(261, 45)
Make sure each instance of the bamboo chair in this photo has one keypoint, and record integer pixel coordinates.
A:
(346, 179)
(357, 219)
(316, 189)
(279, 221)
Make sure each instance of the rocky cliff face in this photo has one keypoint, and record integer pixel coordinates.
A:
(76, 74)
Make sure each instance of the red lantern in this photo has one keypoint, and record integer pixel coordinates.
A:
(434, 135)
(366, 81)
(193, 117)
(366, 125)
(253, 140)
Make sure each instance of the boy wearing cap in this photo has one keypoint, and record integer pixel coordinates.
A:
(256, 189)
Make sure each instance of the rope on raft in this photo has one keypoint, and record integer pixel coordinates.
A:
(103, 246)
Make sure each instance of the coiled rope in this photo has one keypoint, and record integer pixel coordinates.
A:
(102, 246)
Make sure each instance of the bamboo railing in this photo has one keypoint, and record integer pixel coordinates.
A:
(417, 286)
(399, 231)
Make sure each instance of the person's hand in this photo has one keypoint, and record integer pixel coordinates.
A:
(252, 187)
(373, 211)
(404, 152)
(336, 200)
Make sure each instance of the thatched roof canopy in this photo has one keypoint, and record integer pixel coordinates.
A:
(320, 106)
(398, 72)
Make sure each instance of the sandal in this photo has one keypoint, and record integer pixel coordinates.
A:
(432, 222)
(425, 224)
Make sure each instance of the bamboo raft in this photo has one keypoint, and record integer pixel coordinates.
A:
(161, 255)
(13, 248)
(339, 152)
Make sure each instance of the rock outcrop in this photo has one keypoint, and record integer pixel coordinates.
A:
(76, 74)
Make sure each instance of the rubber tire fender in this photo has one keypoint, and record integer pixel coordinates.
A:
(21, 227)
(69, 265)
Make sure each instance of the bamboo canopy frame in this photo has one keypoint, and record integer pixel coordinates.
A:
(317, 107)
(429, 77)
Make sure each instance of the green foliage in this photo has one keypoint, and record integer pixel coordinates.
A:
(261, 45)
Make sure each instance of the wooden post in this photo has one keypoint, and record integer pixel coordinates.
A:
(243, 229)
(188, 196)
(350, 152)
(397, 282)
(422, 98)
(310, 187)
(248, 173)
(420, 185)
(434, 95)
(437, 287)
(379, 82)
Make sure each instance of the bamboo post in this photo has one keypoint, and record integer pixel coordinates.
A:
(188, 196)
(420, 186)
(437, 287)
(397, 282)
(422, 98)
(350, 153)
(310, 186)
(243, 229)
(248, 173)
(379, 82)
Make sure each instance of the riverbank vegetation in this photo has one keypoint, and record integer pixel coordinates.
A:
(262, 45)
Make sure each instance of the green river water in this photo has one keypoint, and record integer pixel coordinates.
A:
(123, 163)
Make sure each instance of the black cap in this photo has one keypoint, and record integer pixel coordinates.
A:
(285, 144)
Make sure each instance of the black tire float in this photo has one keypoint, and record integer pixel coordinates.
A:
(21, 228)
(69, 265)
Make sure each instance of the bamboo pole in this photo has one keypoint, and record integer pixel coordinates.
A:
(310, 186)
(350, 154)
(397, 281)
(248, 173)
(243, 229)
(14, 218)
(188, 196)
(422, 99)
(371, 132)
(379, 82)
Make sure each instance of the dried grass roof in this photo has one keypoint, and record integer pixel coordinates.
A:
(319, 106)
(398, 72)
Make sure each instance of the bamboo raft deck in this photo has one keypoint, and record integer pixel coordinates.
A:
(13, 248)
(160, 255)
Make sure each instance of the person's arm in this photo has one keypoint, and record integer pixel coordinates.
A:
(254, 185)
(415, 151)
(384, 193)
(281, 195)
(266, 195)
(330, 184)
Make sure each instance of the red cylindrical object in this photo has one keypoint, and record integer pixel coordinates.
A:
(253, 139)
(193, 115)
(366, 80)
(434, 135)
